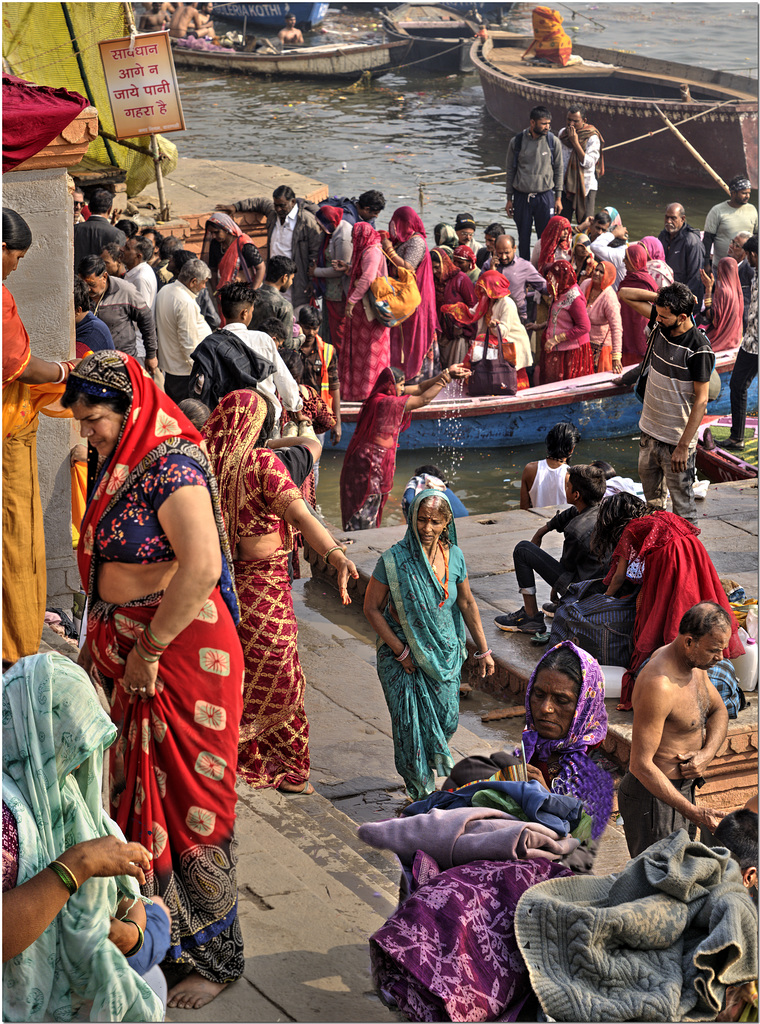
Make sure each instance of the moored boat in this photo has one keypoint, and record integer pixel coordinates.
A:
(619, 91)
(273, 15)
(596, 404)
(440, 39)
(329, 61)
(718, 464)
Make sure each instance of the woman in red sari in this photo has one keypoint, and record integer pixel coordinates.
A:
(154, 559)
(452, 285)
(262, 508)
(634, 334)
(660, 551)
(566, 351)
(406, 246)
(366, 478)
(724, 311)
(366, 347)
(555, 243)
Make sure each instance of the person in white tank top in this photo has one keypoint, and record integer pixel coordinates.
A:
(543, 482)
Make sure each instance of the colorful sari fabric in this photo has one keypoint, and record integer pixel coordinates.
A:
(424, 705)
(657, 267)
(451, 287)
(24, 568)
(366, 346)
(54, 736)
(677, 573)
(232, 261)
(256, 491)
(604, 316)
(411, 340)
(634, 324)
(173, 767)
(552, 246)
(370, 460)
(726, 330)
(578, 776)
(572, 357)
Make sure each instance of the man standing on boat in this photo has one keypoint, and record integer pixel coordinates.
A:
(728, 218)
(683, 248)
(290, 35)
(534, 178)
(582, 156)
(520, 273)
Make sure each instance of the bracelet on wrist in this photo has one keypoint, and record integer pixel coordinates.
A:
(62, 375)
(140, 940)
(480, 655)
(146, 656)
(66, 875)
(405, 653)
(335, 547)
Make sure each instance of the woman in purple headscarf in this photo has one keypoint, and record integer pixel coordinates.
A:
(565, 717)
(405, 245)
(657, 268)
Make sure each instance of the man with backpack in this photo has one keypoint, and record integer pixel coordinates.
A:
(535, 176)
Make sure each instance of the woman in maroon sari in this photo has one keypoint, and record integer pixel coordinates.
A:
(660, 551)
(555, 243)
(366, 347)
(724, 311)
(634, 335)
(366, 479)
(452, 285)
(406, 246)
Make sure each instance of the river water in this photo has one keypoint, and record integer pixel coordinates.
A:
(414, 131)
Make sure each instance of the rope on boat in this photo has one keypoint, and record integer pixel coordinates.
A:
(423, 185)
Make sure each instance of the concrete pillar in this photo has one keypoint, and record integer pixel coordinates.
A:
(43, 287)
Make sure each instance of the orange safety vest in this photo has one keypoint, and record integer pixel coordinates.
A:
(325, 351)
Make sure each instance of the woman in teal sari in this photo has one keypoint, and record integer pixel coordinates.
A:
(418, 602)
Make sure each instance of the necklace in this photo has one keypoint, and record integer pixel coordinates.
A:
(445, 581)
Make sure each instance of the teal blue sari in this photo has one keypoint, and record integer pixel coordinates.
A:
(424, 705)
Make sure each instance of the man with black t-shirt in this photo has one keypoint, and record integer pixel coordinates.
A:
(678, 371)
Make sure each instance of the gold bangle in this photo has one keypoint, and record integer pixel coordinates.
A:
(66, 875)
(336, 547)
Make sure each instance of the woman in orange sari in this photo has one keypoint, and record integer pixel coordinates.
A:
(30, 386)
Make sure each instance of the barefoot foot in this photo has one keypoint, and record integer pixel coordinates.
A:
(193, 992)
(304, 788)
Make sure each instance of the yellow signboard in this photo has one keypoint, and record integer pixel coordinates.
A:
(142, 85)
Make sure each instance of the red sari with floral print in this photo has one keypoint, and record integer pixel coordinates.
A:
(255, 491)
(172, 769)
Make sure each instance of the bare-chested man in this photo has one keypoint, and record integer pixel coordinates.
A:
(679, 723)
(192, 20)
(290, 35)
(155, 19)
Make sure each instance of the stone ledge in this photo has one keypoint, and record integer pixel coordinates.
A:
(68, 148)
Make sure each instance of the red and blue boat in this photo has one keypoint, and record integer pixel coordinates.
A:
(273, 15)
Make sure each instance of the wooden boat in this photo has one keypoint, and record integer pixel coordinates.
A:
(440, 39)
(273, 15)
(329, 61)
(720, 465)
(598, 406)
(619, 91)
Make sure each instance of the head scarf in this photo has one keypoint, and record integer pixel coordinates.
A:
(634, 324)
(578, 775)
(329, 217)
(436, 637)
(54, 736)
(551, 247)
(563, 279)
(636, 257)
(653, 247)
(153, 427)
(609, 277)
(363, 237)
(464, 252)
(728, 306)
(232, 257)
(615, 221)
(404, 223)
(448, 269)
(489, 287)
(581, 239)
(370, 459)
(445, 236)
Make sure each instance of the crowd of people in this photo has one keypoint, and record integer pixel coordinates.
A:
(204, 387)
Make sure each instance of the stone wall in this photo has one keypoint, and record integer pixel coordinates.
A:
(43, 289)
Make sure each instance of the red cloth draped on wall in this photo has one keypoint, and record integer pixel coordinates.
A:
(33, 116)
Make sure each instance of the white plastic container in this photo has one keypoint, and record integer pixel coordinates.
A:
(745, 666)
(613, 681)
(751, 626)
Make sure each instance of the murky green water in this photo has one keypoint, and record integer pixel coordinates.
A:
(413, 130)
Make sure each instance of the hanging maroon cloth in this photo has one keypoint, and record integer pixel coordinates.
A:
(634, 334)
(33, 116)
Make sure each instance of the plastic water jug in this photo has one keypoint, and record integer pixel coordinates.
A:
(746, 665)
(613, 681)
(751, 626)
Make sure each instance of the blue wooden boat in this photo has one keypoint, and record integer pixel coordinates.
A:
(273, 15)
(598, 406)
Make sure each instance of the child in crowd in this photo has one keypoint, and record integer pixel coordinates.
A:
(195, 411)
(430, 478)
(584, 489)
(618, 484)
(320, 368)
(543, 483)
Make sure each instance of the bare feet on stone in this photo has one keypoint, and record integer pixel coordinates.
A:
(194, 991)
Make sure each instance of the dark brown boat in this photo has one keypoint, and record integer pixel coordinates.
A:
(620, 91)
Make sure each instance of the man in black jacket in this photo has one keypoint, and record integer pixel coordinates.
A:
(683, 248)
(93, 235)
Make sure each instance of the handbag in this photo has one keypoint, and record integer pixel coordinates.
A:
(601, 626)
(394, 300)
(492, 374)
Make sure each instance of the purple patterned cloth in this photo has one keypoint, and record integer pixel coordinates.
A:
(449, 952)
(10, 850)
(578, 775)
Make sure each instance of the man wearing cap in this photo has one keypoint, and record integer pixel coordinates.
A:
(535, 175)
(464, 229)
(729, 218)
(745, 367)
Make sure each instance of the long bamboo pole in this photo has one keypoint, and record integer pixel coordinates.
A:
(700, 159)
